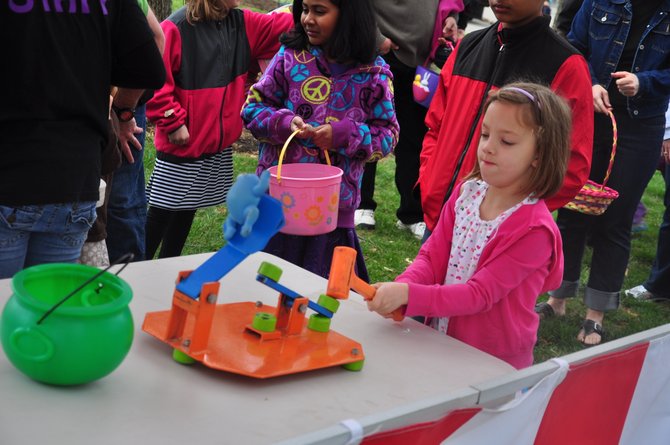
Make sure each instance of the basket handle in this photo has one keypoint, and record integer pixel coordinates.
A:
(283, 152)
(614, 143)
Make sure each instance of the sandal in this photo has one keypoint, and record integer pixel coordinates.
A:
(592, 327)
(544, 310)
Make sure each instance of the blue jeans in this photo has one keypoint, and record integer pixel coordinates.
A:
(127, 203)
(638, 149)
(37, 234)
(658, 282)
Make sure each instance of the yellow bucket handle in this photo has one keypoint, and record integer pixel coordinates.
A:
(283, 152)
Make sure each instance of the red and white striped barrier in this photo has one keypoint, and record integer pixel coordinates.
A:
(622, 397)
(617, 393)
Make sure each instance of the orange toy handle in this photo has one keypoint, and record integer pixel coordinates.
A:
(342, 278)
(368, 292)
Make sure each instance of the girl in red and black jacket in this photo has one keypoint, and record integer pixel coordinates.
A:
(209, 49)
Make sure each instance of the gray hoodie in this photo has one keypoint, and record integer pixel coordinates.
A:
(409, 24)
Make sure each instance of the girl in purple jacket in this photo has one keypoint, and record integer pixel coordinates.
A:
(326, 82)
(496, 246)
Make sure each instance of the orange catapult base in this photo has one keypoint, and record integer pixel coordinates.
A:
(258, 340)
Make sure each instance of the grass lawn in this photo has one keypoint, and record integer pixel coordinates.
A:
(388, 251)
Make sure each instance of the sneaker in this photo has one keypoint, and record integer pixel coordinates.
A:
(416, 229)
(364, 219)
(640, 293)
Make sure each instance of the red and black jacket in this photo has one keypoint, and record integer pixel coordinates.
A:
(489, 59)
(207, 65)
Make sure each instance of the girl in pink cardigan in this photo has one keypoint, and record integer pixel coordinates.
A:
(496, 246)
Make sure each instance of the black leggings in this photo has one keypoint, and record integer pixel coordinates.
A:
(171, 227)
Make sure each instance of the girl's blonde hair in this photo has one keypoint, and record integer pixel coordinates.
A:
(204, 10)
(551, 120)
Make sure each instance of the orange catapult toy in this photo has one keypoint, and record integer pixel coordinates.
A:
(254, 339)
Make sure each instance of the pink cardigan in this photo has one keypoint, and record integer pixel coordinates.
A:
(494, 310)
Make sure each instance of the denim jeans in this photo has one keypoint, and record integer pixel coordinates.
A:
(600, 30)
(127, 203)
(658, 282)
(37, 234)
(636, 158)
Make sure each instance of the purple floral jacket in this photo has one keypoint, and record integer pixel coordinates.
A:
(357, 102)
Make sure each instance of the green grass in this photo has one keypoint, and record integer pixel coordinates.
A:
(388, 251)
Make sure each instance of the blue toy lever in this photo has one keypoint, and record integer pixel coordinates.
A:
(270, 220)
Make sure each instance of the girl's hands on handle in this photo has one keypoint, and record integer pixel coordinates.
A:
(388, 298)
(627, 83)
(323, 137)
(306, 130)
(180, 136)
(666, 150)
(601, 99)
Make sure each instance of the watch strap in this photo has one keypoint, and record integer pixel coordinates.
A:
(124, 114)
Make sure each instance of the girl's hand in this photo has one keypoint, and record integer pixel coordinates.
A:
(627, 83)
(323, 137)
(180, 136)
(450, 29)
(386, 46)
(389, 297)
(601, 100)
(666, 151)
(306, 130)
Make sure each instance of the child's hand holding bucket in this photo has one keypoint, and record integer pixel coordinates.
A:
(304, 130)
(323, 137)
(309, 194)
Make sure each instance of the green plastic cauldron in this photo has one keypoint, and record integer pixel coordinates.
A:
(84, 339)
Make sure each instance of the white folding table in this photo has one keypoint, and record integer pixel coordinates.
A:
(152, 399)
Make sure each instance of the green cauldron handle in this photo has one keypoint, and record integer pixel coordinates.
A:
(39, 342)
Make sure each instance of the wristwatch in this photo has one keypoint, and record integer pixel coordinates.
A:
(124, 114)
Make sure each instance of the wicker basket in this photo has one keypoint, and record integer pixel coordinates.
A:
(594, 198)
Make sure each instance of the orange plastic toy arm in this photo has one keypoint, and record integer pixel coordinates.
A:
(342, 279)
(368, 292)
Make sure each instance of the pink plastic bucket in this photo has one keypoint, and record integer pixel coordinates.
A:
(310, 197)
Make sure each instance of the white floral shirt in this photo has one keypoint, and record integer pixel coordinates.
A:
(471, 233)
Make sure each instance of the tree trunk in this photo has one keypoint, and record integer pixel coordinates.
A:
(162, 8)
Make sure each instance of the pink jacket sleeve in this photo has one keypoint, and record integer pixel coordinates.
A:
(430, 265)
(490, 283)
(493, 280)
